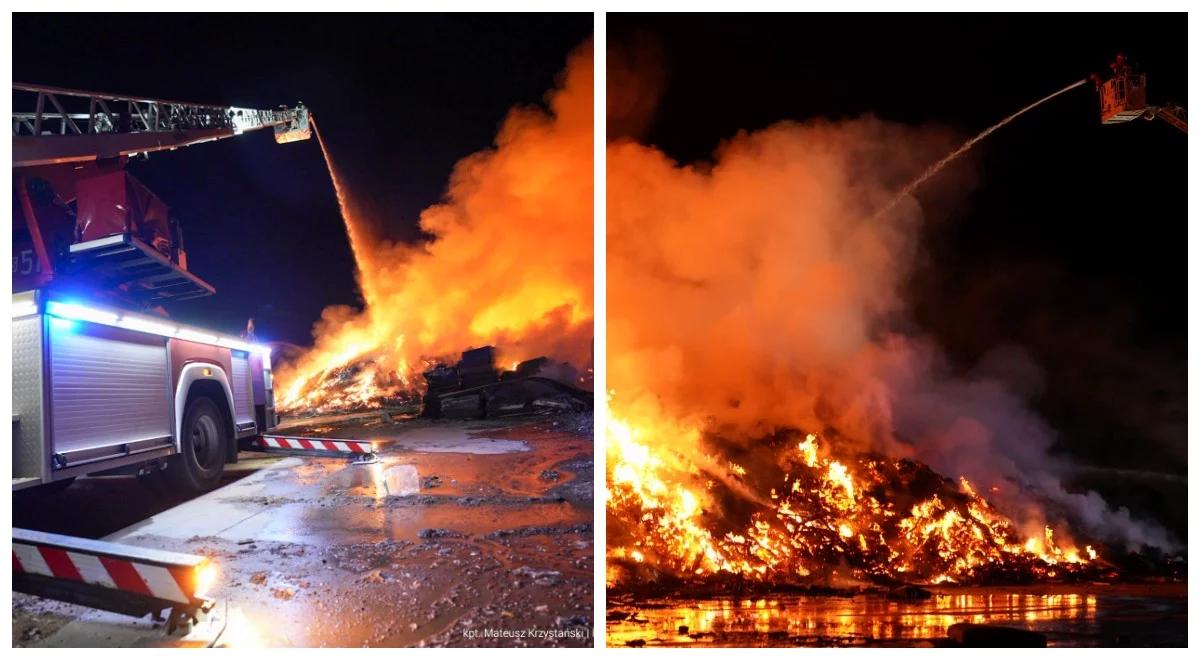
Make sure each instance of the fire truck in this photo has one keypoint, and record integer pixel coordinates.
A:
(103, 380)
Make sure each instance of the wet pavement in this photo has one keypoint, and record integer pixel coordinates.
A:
(464, 534)
(1069, 615)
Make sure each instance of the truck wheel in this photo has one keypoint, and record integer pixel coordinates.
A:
(201, 459)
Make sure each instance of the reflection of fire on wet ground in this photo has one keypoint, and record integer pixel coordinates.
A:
(429, 546)
(1068, 615)
(462, 528)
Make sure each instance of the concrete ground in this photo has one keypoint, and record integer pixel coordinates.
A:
(464, 534)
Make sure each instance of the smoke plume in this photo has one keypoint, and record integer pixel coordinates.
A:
(763, 291)
(509, 261)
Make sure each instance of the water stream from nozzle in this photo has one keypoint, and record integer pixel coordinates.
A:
(353, 232)
(966, 146)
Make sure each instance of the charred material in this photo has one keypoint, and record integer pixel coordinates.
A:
(475, 388)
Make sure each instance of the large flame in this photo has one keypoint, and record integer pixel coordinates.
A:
(773, 414)
(861, 517)
(509, 263)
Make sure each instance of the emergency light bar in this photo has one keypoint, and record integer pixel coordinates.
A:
(24, 305)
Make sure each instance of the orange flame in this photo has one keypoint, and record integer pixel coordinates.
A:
(749, 298)
(826, 515)
(509, 263)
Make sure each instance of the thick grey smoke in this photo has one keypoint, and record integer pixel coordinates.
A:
(979, 424)
(764, 291)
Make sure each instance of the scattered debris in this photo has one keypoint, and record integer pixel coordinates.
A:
(408, 569)
(376, 576)
(432, 533)
(475, 387)
(545, 578)
(579, 528)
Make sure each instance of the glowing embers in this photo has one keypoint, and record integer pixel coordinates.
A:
(671, 513)
(844, 518)
(354, 383)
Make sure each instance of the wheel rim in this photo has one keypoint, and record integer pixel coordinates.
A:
(206, 443)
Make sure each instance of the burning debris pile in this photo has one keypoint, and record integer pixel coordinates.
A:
(508, 263)
(866, 519)
(764, 293)
(360, 383)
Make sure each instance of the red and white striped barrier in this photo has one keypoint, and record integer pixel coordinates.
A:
(105, 571)
(119, 578)
(316, 444)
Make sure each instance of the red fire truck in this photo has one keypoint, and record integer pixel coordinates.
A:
(103, 381)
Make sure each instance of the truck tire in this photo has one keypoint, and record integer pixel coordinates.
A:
(201, 459)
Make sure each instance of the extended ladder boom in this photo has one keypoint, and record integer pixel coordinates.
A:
(1171, 113)
(56, 125)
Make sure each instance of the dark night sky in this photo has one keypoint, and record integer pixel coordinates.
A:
(399, 98)
(1072, 240)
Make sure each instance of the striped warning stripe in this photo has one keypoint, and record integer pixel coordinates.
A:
(315, 444)
(169, 583)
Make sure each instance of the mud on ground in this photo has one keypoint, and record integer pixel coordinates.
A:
(465, 534)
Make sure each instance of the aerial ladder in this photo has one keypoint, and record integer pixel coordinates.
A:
(1123, 98)
(87, 126)
(77, 212)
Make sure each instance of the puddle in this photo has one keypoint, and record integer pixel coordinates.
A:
(396, 481)
(1079, 615)
(476, 446)
(377, 480)
(325, 526)
(453, 440)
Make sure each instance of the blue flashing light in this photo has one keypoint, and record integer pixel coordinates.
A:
(79, 312)
(264, 352)
(62, 325)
